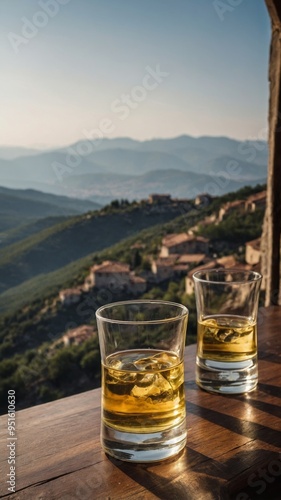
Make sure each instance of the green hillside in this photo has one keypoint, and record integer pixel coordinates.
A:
(58, 245)
(47, 284)
(20, 206)
(25, 230)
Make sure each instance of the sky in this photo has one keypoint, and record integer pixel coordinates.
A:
(72, 69)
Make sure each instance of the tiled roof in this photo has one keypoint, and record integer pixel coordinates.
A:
(192, 257)
(176, 239)
(212, 264)
(70, 292)
(137, 279)
(257, 196)
(243, 266)
(227, 261)
(109, 266)
(256, 244)
(83, 331)
(232, 204)
(172, 236)
(86, 329)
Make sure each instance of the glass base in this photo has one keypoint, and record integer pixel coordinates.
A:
(134, 447)
(227, 377)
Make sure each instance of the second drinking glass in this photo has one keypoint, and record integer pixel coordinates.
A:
(227, 306)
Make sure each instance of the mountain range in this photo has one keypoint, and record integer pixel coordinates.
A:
(107, 169)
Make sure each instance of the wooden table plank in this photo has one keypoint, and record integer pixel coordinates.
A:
(233, 446)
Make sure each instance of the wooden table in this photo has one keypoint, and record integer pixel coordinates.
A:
(233, 448)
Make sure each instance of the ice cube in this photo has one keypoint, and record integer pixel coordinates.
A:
(211, 334)
(129, 367)
(163, 357)
(127, 378)
(153, 386)
(232, 337)
(146, 380)
(227, 335)
(145, 364)
(164, 360)
(115, 364)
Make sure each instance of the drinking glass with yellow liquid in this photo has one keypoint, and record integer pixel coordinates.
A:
(227, 307)
(143, 405)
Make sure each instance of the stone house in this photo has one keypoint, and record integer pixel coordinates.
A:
(163, 269)
(188, 259)
(167, 267)
(203, 200)
(231, 206)
(115, 276)
(185, 262)
(70, 296)
(227, 262)
(189, 284)
(78, 335)
(183, 243)
(109, 274)
(159, 198)
(255, 201)
(253, 252)
(137, 284)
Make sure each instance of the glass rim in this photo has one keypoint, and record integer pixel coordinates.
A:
(256, 276)
(181, 307)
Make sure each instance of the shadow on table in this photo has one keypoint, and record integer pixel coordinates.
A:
(260, 476)
(273, 358)
(272, 390)
(262, 406)
(194, 476)
(249, 474)
(184, 478)
(245, 428)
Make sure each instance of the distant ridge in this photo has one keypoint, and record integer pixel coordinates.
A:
(60, 171)
(18, 207)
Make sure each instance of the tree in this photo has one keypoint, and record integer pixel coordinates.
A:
(91, 363)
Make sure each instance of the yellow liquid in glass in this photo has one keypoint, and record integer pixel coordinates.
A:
(226, 338)
(143, 391)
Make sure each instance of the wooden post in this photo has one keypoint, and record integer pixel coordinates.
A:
(272, 220)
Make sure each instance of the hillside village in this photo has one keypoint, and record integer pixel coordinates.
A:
(179, 256)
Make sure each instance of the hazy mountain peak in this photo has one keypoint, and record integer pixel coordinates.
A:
(197, 160)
